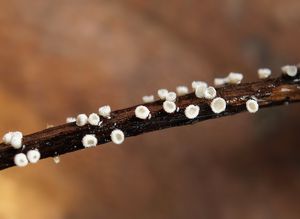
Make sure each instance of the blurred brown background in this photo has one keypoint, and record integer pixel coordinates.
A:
(63, 57)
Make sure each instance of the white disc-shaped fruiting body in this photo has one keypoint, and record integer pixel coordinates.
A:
(264, 73)
(148, 99)
(16, 140)
(20, 160)
(210, 93)
(162, 93)
(70, 119)
(89, 141)
(7, 137)
(200, 90)
(81, 120)
(142, 112)
(196, 84)
(252, 106)
(290, 70)
(169, 106)
(182, 90)
(117, 136)
(218, 105)
(219, 81)
(33, 156)
(192, 111)
(105, 111)
(171, 96)
(234, 78)
(94, 119)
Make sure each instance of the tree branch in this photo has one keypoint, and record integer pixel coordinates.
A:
(67, 138)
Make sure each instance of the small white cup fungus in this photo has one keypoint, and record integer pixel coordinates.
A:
(89, 141)
(200, 90)
(7, 137)
(117, 136)
(94, 119)
(192, 111)
(81, 120)
(16, 140)
(264, 73)
(33, 156)
(182, 90)
(70, 119)
(171, 96)
(20, 160)
(219, 81)
(210, 93)
(148, 99)
(235, 78)
(142, 112)
(169, 106)
(252, 106)
(290, 70)
(196, 84)
(105, 111)
(162, 93)
(218, 105)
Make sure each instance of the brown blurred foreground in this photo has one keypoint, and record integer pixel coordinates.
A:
(61, 57)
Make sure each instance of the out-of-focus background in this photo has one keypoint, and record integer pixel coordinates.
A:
(59, 58)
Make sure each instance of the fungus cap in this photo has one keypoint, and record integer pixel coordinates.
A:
(192, 111)
(20, 160)
(210, 93)
(169, 106)
(142, 112)
(33, 156)
(81, 120)
(117, 136)
(252, 106)
(218, 105)
(89, 141)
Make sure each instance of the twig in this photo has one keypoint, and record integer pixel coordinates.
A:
(67, 138)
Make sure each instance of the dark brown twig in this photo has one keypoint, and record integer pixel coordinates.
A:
(67, 138)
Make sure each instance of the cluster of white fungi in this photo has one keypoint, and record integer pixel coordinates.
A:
(201, 90)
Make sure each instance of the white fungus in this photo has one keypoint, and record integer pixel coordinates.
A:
(20, 160)
(182, 90)
(210, 93)
(200, 90)
(264, 73)
(162, 93)
(234, 78)
(219, 81)
(105, 111)
(171, 96)
(117, 136)
(70, 119)
(218, 105)
(169, 106)
(81, 120)
(148, 99)
(7, 137)
(142, 112)
(252, 106)
(33, 156)
(89, 141)
(196, 84)
(192, 111)
(94, 119)
(290, 70)
(16, 140)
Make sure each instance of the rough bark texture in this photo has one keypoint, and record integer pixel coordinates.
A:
(67, 138)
